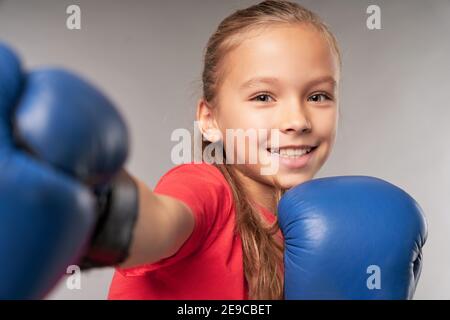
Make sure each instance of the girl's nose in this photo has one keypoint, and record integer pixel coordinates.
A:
(294, 119)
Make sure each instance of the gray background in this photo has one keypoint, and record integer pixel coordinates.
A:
(147, 56)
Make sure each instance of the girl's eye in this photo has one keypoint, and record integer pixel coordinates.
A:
(319, 97)
(264, 96)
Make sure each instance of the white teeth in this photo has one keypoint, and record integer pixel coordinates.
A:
(291, 152)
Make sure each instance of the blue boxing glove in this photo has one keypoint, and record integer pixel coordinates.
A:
(64, 197)
(45, 216)
(351, 237)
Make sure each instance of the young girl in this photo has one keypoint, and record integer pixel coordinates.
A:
(209, 231)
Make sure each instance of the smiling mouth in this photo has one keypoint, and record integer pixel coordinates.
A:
(291, 152)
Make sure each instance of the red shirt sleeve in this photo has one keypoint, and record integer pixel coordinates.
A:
(203, 188)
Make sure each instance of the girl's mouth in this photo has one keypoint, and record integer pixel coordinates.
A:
(293, 157)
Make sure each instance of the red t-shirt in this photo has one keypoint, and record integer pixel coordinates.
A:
(209, 265)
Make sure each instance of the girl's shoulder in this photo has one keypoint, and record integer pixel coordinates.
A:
(193, 170)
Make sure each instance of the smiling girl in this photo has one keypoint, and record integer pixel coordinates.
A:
(209, 231)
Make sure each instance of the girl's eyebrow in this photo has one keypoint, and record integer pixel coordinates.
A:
(254, 81)
(323, 79)
(272, 80)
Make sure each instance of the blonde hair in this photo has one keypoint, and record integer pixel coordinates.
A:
(263, 252)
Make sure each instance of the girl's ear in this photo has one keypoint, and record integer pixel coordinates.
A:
(207, 123)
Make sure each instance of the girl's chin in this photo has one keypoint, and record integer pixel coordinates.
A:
(291, 180)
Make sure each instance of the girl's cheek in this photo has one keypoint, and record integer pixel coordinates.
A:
(326, 124)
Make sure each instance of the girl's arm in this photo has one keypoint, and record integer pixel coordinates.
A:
(163, 225)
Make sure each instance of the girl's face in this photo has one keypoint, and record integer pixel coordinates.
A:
(283, 78)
